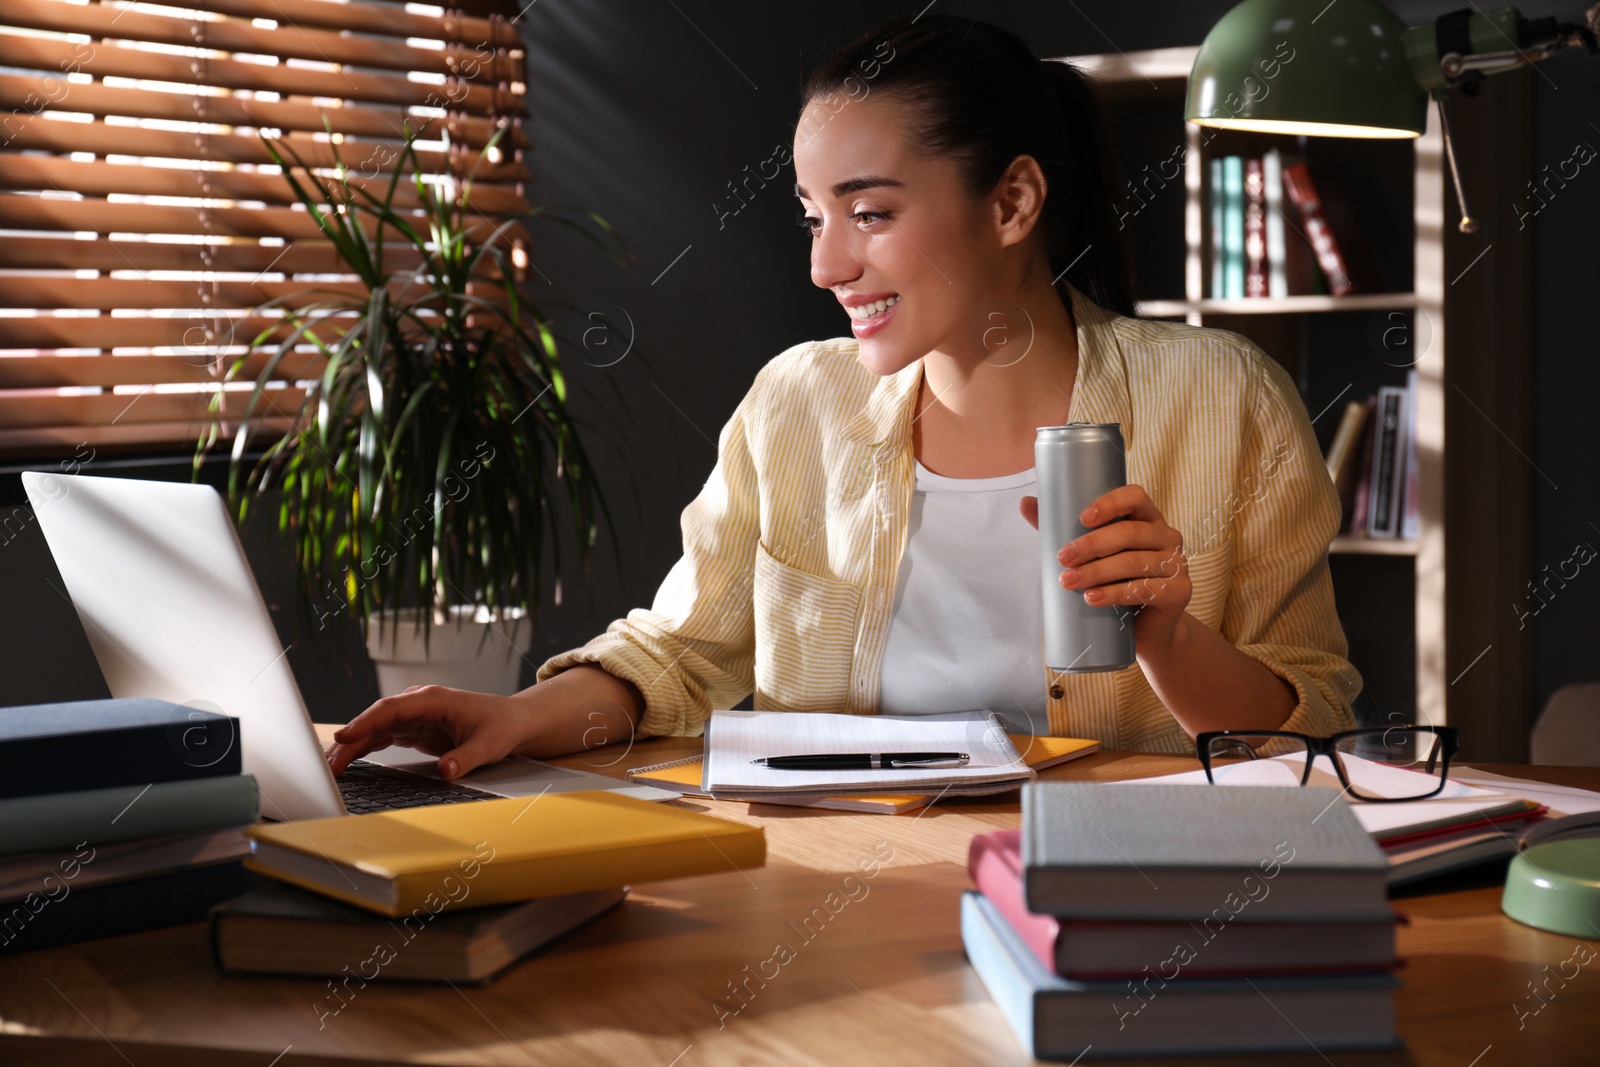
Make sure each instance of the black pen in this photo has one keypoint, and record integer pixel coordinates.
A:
(863, 761)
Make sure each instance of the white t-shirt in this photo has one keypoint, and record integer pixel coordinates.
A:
(968, 612)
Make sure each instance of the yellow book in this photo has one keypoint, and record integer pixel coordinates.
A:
(684, 776)
(452, 856)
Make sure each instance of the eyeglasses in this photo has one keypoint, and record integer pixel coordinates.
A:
(1424, 750)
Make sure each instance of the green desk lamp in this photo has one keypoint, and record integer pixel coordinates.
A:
(1352, 68)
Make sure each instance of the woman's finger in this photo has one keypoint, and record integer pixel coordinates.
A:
(1123, 502)
(1124, 567)
(1119, 537)
(1030, 510)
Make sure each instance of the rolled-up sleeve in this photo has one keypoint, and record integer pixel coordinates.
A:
(1280, 609)
(693, 649)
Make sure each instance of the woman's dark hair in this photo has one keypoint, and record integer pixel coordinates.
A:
(979, 96)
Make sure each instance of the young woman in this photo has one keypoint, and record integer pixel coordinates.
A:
(867, 540)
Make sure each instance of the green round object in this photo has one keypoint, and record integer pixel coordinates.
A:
(1556, 887)
(1287, 66)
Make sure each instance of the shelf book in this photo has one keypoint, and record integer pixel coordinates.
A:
(1372, 461)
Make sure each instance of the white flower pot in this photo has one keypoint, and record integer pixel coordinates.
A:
(476, 649)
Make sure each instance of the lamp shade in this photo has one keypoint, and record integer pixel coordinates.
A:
(1307, 67)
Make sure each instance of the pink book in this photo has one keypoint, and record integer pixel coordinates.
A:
(995, 862)
(1207, 947)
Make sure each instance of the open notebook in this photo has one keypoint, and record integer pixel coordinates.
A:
(871, 791)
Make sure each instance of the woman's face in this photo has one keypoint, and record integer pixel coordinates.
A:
(887, 225)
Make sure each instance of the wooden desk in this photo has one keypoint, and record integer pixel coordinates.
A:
(674, 977)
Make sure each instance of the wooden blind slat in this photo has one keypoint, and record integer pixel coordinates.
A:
(103, 179)
(55, 372)
(35, 213)
(370, 18)
(187, 329)
(54, 441)
(16, 92)
(229, 35)
(300, 257)
(37, 411)
(105, 293)
(365, 159)
(103, 60)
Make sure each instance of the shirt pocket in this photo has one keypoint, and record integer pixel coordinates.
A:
(805, 637)
(1210, 578)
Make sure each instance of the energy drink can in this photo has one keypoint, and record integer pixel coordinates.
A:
(1076, 464)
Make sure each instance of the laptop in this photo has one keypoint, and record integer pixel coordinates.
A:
(171, 609)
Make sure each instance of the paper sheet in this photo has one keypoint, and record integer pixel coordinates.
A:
(737, 737)
(1458, 800)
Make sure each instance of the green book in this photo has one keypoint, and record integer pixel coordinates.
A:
(1129, 850)
(1233, 227)
(101, 816)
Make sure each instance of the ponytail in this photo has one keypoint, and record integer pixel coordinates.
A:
(980, 97)
(1082, 233)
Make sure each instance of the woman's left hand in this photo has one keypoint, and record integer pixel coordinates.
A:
(1137, 562)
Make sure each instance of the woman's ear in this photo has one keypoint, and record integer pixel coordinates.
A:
(1018, 199)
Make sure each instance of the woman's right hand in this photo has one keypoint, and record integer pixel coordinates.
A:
(580, 708)
(465, 729)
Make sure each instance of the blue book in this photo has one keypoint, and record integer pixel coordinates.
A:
(1164, 1013)
(1219, 283)
(101, 744)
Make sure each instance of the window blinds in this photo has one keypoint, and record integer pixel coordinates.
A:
(142, 218)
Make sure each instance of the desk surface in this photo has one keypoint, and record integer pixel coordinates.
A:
(881, 980)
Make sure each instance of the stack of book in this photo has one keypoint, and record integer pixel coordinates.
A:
(116, 816)
(1277, 231)
(1138, 919)
(1373, 463)
(457, 892)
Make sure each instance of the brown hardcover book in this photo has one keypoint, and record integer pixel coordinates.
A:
(1345, 450)
(1298, 184)
(280, 929)
(1361, 492)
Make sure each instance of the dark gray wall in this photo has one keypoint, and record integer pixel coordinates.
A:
(646, 112)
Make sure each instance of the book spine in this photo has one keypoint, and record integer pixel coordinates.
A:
(1218, 221)
(1343, 454)
(1233, 226)
(1410, 518)
(996, 869)
(1255, 228)
(127, 907)
(1298, 184)
(1386, 462)
(103, 816)
(1277, 248)
(67, 762)
(1361, 495)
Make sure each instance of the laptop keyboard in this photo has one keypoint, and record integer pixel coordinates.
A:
(368, 787)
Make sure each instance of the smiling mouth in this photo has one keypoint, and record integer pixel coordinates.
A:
(872, 310)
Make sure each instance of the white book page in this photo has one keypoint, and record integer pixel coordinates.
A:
(738, 737)
(1458, 800)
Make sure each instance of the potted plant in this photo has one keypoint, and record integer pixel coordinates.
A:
(418, 474)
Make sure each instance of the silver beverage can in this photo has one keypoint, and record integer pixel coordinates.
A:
(1076, 464)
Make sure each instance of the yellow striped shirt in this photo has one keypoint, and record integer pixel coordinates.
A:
(792, 548)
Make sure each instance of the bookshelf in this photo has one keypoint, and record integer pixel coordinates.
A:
(1416, 613)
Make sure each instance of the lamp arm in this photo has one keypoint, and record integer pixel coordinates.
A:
(1460, 49)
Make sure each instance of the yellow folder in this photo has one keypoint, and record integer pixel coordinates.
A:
(426, 860)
